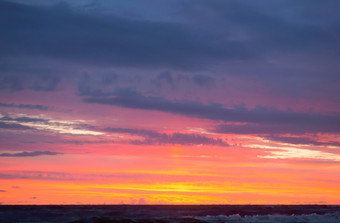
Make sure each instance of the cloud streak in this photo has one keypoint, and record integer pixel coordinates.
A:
(14, 126)
(156, 138)
(65, 176)
(29, 106)
(22, 122)
(30, 154)
(281, 152)
(262, 120)
(301, 141)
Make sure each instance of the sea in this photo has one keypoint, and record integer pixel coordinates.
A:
(169, 213)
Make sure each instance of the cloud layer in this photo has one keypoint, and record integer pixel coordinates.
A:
(104, 40)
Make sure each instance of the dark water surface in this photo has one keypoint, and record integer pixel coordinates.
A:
(169, 213)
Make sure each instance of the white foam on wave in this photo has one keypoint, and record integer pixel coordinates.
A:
(312, 218)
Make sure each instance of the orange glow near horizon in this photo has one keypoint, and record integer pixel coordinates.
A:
(126, 174)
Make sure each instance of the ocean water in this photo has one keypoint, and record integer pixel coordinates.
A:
(170, 213)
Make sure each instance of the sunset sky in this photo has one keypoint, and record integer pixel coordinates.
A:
(169, 102)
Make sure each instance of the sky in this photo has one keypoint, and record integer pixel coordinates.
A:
(169, 102)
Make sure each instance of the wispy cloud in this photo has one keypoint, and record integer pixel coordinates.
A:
(74, 127)
(30, 154)
(157, 138)
(301, 141)
(14, 126)
(285, 152)
(29, 106)
(65, 176)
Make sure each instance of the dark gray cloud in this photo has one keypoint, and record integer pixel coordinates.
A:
(62, 176)
(294, 56)
(95, 84)
(187, 139)
(79, 142)
(32, 82)
(13, 126)
(3, 191)
(190, 35)
(202, 80)
(14, 123)
(35, 175)
(167, 77)
(265, 31)
(22, 119)
(315, 125)
(107, 40)
(29, 106)
(139, 132)
(20, 73)
(26, 122)
(29, 154)
(261, 119)
(153, 137)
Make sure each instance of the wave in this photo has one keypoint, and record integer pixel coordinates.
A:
(170, 213)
